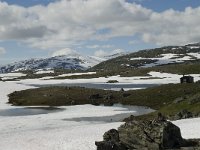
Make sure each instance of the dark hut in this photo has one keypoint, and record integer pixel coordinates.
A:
(187, 79)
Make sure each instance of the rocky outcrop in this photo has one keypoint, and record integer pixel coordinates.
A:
(157, 134)
(108, 100)
(111, 141)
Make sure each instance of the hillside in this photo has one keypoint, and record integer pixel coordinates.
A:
(159, 59)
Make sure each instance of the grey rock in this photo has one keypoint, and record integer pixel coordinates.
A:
(110, 141)
(158, 134)
(111, 135)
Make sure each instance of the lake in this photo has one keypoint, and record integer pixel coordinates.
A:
(106, 86)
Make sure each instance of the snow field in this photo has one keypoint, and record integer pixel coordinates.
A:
(53, 131)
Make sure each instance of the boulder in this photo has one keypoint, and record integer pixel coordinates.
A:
(140, 135)
(110, 141)
(157, 134)
(109, 145)
(108, 100)
(129, 119)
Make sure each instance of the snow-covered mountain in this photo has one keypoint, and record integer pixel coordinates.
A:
(74, 61)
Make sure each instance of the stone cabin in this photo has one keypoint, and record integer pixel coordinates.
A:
(187, 79)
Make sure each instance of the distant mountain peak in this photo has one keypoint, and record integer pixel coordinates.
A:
(62, 59)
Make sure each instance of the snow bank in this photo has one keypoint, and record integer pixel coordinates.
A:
(44, 71)
(6, 76)
(197, 55)
(7, 88)
(190, 128)
(76, 74)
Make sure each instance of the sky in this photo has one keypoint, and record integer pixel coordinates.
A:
(43, 28)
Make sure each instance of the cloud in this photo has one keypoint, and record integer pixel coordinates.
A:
(2, 51)
(66, 51)
(133, 42)
(103, 53)
(65, 23)
(107, 46)
(93, 46)
(100, 53)
(99, 46)
(173, 27)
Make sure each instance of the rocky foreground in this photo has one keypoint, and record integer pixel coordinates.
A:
(157, 134)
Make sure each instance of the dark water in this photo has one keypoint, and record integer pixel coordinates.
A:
(29, 111)
(102, 85)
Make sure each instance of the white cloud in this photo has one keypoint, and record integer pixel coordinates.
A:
(66, 51)
(93, 46)
(65, 23)
(100, 53)
(133, 42)
(103, 53)
(107, 46)
(99, 46)
(2, 51)
(117, 51)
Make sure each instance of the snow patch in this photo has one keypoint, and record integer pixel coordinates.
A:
(197, 55)
(6, 76)
(165, 59)
(76, 74)
(44, 71)
(190, 128)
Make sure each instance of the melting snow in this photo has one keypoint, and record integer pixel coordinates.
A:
(190, 128)
(44, 71)
(167, 59)
(7, 76)
(197, 55)
(76, 74)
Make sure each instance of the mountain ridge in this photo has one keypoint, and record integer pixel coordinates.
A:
(152, 57)
(72, 61)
